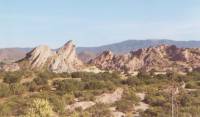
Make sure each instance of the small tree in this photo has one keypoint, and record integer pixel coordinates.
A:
(39, 108)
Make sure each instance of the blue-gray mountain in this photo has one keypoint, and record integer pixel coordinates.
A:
(130, 45)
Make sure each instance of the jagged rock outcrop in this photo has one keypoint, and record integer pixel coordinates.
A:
(39, 56)
(66, 59)
(158, 58)
(62, 60)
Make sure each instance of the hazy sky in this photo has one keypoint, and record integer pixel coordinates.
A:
(28, 23)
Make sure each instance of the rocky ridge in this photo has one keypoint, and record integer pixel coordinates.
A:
(62, 60)
(158, 58)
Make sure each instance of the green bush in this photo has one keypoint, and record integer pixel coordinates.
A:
(191, 85)
(58, 103)
(97, 85)
(47, 74)
(32, 86)
(5, 110)
(99, 110)
(67, 86)
(82, 74)
(133, 81)
(156, 99)
(41, 81)
(124, 105)
(13, 77)
(4, 90)
(17, 89)
(39, 108)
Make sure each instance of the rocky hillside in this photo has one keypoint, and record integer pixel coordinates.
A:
(62, 60)
(158, 58)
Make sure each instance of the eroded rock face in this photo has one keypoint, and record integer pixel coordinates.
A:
(159, 58)
(39, 56)
(66, 59)
(63, 60)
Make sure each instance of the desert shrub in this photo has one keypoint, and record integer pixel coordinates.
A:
(67, 86)
(17, 89)
(191, 85)
(47, 74)
(185, 100)
(12, 77)
(58, 103)
(13, 106)
(155, 112)
(106, 76)
(156, 99)
(97, 85)
(124, 106)
(41, 81)
(63, 75)
(31, 86)
(80, 114)
(85, 95)
(82, 74)
(133, 81)
(2, 63)
(4, 90)
(129, 94)
(39, 108)
(99, 110)
(69, 98)
(194, 75)
(5, 110)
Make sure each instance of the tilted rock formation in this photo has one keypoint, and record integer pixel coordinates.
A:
(63, 60)
(158, 58)
(39, 56)
(66, 59)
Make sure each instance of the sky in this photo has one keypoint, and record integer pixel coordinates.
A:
(29, 23)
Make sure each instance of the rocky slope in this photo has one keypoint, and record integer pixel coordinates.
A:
(62, 60)
(159, 58)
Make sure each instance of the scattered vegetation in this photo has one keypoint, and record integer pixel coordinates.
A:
(39, 108)
(46, 93)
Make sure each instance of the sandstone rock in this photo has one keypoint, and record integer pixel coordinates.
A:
(109, 98)
(83, 105)
(38, 56)
(117, 114)
(63, 60)
(158, 58)
(66, 59)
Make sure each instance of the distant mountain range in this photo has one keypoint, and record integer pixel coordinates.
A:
(129, 45)
(86, 53)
